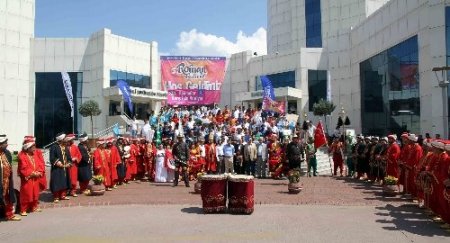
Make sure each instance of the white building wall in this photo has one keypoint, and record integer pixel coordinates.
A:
(95, 57)
(16, 95)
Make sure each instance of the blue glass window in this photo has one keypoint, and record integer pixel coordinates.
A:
(134, 80)
(390, 100)
(313, 21)
(279, 80)
(317, 86)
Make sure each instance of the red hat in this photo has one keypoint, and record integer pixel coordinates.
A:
(28, 139)
(405, 135)
(69, 137)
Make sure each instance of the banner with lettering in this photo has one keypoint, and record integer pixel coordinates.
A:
(191, 80)
(269, 103)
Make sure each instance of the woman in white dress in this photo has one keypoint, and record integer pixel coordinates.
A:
(160, 170)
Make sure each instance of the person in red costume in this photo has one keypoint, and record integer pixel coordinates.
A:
(38, 152)
(134, 152)
(444, 177)
(275, 156)
(101, 164)
(149, 159)
(30, 170)
(336, 150)
(412, 160)
(211, 159)
(420, 179)
(7, 195)
(435, 176)
(404, 152)
(114, 161)
(76, 158)
(392, 156)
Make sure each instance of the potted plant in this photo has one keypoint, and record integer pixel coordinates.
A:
(390, 187)
(294, 186)
(198, 183)
(97, 189)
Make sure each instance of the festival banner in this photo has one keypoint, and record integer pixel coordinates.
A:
(269, 102)
(192, 80)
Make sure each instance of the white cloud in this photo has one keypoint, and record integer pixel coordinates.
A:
(201, 44)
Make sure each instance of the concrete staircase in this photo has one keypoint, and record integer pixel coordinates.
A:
(323, 163)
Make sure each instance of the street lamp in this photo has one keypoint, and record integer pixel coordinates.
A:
(443, 83)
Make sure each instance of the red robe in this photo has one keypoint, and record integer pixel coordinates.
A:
(75, 154)
(132, 161)
(43, 179)
(404, 152)
(275, 155)
(445, 199)
(441, 174)
(421, 186)
(101, 166)
(415, 153)
(392, 156)
(140, 162)
(29, 186)
(114, 161)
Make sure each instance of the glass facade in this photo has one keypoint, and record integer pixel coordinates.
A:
(313, 21)
(52, 110)
(279, 80)
(317, 86)
(390, 99)
(135, 80)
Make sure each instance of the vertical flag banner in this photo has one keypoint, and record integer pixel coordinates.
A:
(68, 89)
(126, 93)
(319, 136)
(269, 102)
(192, 80)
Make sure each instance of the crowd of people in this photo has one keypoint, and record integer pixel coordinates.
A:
(181, 144)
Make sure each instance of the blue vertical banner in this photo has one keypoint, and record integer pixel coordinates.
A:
(126, 93)
(269, 102)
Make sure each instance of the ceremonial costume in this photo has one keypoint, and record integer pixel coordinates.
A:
(338, 157)
(7, 195)
(101, 164)
(392, 156)
(30, 170)
(275, 153)
(76, 158)
(211, 159)
(415, 153)
(60, 160)
(85, 164)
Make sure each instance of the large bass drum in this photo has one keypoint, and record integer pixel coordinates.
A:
(214, 192)
(241, 191)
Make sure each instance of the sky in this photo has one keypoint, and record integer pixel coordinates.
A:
(181, 27)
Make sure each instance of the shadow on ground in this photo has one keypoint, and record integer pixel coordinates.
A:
(409, 218)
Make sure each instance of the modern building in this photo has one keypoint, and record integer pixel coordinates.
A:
(373, 58)
(32, 97)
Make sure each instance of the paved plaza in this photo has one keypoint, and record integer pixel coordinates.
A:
(327, 210)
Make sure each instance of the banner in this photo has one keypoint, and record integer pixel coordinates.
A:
(192, 80)
(269, 102)
(68, 88)
(126, 93)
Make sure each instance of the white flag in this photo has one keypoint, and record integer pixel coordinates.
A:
(68, 89)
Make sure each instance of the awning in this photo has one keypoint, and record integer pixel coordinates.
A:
(137, 94)
(285, 92)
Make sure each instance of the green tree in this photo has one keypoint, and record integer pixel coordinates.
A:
(323, 108)
(90, 108)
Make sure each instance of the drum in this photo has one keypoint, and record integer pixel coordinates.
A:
(241, 191)
(214, 192)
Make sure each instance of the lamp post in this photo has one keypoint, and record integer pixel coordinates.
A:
(443, 84)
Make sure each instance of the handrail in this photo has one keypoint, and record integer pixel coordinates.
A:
(105, 131)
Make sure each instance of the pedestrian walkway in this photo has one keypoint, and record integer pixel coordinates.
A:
(187, 223)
